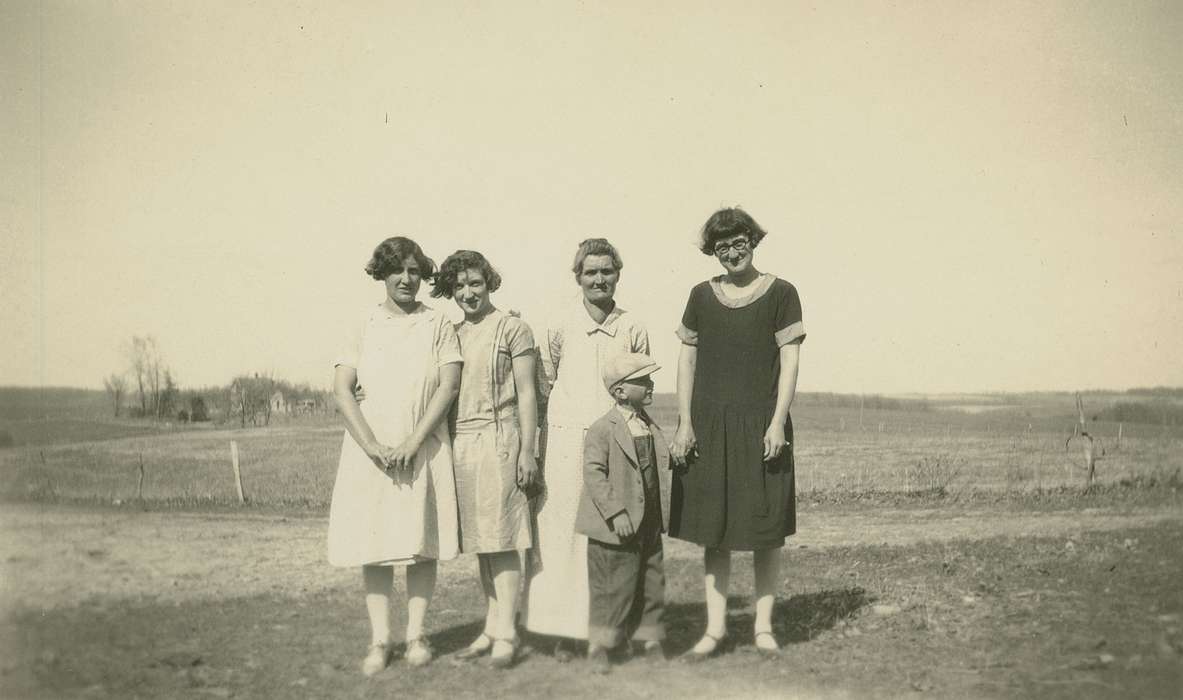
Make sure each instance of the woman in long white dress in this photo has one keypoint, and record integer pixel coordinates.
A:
(394, 500)
(577, 344)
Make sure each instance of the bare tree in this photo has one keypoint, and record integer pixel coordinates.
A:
(116, 386)
(146, 367)
(137, 360)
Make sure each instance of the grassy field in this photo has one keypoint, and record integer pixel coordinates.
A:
(839, 451)
(946, 549)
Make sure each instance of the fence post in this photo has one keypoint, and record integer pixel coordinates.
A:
(1119, 426)
(237, 472)
(140, 482)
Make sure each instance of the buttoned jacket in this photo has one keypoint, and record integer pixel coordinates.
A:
(612, 480)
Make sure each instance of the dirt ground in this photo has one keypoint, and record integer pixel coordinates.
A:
(54, 556)
(879, 602)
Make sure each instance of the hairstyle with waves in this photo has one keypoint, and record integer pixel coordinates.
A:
(390, 254)
(444, 284)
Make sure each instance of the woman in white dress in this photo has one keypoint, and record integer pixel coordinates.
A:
(394, 500)
(577, 344)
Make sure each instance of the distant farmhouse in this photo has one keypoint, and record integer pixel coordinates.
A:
(279, 404)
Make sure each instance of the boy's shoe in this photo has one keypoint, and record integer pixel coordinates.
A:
(652, 650)
(598, 660)
(377, 658)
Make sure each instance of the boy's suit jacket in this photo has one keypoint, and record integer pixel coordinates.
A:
(612, 478)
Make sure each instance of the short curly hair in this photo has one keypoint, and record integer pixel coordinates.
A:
(390, 254)
(596, 246)
(444, 284)
(726, 223)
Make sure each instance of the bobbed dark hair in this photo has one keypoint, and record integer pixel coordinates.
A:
(390, 254)
(596, 246)
(726, 223)
(444, 284)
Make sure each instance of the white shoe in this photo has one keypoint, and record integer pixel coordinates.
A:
(377, 658)
(418, 652)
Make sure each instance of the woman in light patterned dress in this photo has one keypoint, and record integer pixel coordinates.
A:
(494, 425)
(394, 500)
(578, 342)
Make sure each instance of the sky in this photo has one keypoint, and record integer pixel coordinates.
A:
(968, 196)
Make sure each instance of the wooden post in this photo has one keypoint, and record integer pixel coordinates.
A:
(1119, 426)
(1090, 455)
(237, 472)
(140, 482)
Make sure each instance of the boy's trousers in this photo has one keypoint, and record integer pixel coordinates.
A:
(627, 587)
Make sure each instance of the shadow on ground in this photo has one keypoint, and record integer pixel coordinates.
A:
(796, 620)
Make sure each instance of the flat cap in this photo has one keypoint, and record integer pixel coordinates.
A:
(631, 365)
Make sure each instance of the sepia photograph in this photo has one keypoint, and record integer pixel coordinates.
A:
(568, 349)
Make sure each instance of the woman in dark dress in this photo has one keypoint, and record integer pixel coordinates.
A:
(733, 489)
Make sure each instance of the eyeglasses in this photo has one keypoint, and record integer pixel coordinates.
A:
(740, 245)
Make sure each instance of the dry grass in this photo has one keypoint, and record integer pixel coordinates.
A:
(281, 466)
(1021, 617)
(931, 453)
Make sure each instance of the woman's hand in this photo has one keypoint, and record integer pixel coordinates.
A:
(527, 470)
(403, 456)
(685, 444)
(379, 454)
(774, 442)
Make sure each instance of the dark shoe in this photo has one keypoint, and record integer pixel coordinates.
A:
(598, 660)
(563, 652)
(651, 650)
(501, 658)
(479, 647)
(770, 648)
(693, 656)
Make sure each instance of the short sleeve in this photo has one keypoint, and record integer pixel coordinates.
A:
(789, 326)
(550, 351)
(688, 330)
(447, 344)
(638, 338)
(349, 353)
(519, 339)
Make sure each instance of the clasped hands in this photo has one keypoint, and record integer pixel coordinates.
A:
(389, 458)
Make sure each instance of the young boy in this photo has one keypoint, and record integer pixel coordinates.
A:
(621, 515)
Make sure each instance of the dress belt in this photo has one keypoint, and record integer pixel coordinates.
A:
(510, 420)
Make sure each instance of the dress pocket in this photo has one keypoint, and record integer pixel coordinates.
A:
(509, 446)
